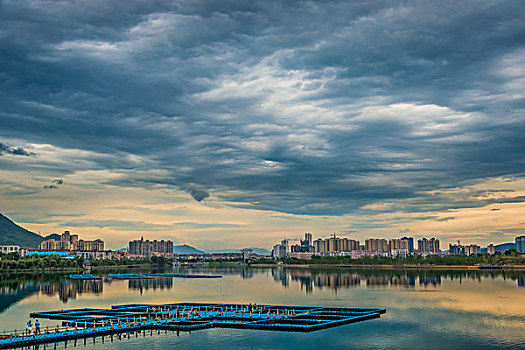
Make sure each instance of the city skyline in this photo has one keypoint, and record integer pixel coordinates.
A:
(236, 124)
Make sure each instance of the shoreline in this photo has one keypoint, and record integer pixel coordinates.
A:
(399, 267)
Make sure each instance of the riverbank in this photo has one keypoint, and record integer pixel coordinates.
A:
(400, 267)
(77, 269)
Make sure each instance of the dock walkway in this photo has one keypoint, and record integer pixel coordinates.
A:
(90, 323)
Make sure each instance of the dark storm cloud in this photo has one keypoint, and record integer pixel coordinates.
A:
(198, 194)
(17, 151)
(301, 107)
(58, 181)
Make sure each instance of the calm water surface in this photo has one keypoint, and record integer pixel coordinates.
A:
(425, 309)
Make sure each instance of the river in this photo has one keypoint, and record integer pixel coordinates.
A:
(426, 309)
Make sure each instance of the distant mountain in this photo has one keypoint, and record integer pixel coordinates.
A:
(54, 236)
(12, 234)
(186, 250)
(258, 251)
(505, 246)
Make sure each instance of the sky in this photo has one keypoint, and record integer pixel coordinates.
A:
(230, 124)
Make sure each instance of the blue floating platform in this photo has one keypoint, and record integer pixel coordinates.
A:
(84, 277)
(122, 319)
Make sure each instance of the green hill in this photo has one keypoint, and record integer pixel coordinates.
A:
(12, 234)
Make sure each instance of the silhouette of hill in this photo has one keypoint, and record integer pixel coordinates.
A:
(13, 234)
(186, 249)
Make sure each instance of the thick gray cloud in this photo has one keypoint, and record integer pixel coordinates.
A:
(17, 151)
(198, 194)
(306, 107)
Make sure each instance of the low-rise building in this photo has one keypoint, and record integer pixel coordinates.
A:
(6, 249)
(94, 254)
(302, 255)
(399, 252)
(358, 254)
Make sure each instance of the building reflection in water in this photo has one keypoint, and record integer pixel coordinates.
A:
(281, 275)
(154, 283)
(71, 289)
(311, 278)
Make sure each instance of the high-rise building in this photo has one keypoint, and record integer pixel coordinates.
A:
(472, 249)
(149, 248)
(333, 244)
(51, 244)
(319, 246)
(520, 244)
(71, 242)
(306, 245)
(398, 244)
(281, 250)
(428, 246)
(410, 241)
(308, 238)
(66, 236)
(491, 249)
(456, 249)
(378, 245)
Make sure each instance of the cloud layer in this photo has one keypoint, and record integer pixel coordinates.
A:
(319, 108)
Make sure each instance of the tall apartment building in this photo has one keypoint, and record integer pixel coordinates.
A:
(491, 249)
(308, 238)
(348, 245)
(71, 242)
(306, 245)
(319, 246)
(332, 244)
(51, 244)
(520, 244)
(410, 241)
(456, 249)
(335, 244)
(281, 250)
(428, 246)
(96, 245)
(148, 248)
(378, 245)
(472, 249)
(399, 244)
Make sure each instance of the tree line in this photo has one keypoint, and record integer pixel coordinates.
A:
(510, 257)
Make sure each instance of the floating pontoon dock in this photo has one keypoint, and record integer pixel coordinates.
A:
(84, 277)
(137, 318)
